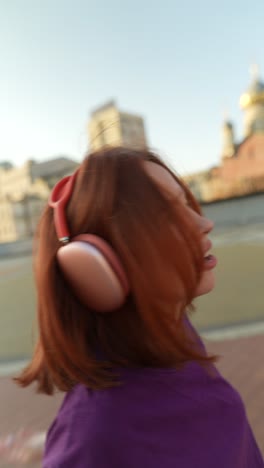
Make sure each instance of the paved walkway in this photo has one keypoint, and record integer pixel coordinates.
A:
(241, 364)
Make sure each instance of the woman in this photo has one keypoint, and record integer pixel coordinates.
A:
(113, 324)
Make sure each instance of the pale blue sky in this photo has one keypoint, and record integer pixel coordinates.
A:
(179, 64)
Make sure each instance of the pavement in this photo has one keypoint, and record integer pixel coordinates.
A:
(242, 365)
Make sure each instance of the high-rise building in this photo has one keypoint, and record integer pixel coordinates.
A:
(110, 126)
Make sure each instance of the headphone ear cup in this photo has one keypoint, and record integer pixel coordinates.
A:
(94, 272)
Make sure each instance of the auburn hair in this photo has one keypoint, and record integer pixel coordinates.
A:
(161, 251)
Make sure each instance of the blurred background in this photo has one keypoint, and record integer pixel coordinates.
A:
(186, 79)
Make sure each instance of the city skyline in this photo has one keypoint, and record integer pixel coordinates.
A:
(180, 67)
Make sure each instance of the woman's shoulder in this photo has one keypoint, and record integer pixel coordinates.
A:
(78, 396)
(76, 432)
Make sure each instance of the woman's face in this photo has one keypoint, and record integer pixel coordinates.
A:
(165, 180)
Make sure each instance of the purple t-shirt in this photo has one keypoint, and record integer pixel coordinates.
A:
(158, 418)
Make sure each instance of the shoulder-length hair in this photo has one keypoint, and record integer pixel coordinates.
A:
(161, 251)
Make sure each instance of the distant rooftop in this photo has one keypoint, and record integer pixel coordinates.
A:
(53, 167)
(103, 107)
(6, 165)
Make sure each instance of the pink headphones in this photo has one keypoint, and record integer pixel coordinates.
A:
(88, 263)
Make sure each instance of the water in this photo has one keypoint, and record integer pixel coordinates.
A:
(247, 211)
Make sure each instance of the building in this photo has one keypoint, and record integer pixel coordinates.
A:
(24, 192)
(110, 126)
(241, 168)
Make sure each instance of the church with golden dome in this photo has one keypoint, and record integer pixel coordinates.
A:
(241, 168)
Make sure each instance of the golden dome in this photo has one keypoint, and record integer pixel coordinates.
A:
(254, 94)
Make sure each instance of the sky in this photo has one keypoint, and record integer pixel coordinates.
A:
(181, 65)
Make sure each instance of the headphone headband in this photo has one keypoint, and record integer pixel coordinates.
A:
(88, 262)
(58, 200)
